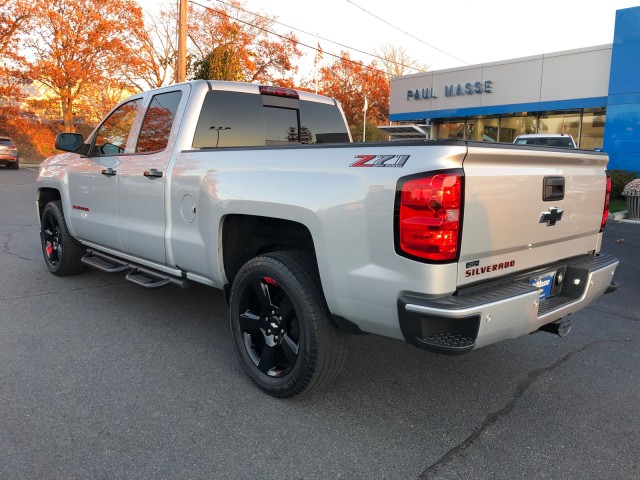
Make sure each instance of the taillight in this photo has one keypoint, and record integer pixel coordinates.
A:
(607, 198)
(428, 212)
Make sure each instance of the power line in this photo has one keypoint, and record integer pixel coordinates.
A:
(324, 39)
(406, 33)
(288, 39)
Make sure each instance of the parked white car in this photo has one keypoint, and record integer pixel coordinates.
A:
(561, 140)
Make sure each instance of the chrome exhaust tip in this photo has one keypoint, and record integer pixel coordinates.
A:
(560, 327)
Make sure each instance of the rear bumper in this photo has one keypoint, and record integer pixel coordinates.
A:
(8, 160)
(503, 309)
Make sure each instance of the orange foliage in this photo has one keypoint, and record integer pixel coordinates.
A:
(349, 81)
(158, 51)
(232, 44)
(34, 141)
(80, 43)
(14, 21)
(90, 53)
(14, 16)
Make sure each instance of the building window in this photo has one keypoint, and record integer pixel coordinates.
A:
(450, 129)
(567, 122)
(482, 129)
(517, 124)
(585, 126)
(592, 133)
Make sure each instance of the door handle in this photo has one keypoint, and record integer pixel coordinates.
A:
(153, 173)
(108, 172)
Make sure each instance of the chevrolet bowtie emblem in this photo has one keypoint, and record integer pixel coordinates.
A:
(551, 217)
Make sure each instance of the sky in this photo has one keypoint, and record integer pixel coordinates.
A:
(441, 33)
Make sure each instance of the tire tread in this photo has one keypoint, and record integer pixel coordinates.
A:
(328, 345)
(72, 250)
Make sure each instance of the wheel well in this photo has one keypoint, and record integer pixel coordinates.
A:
(246, 236)
(46, 195)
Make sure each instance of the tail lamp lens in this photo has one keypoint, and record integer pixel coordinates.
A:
(607, 199)
(429, 217)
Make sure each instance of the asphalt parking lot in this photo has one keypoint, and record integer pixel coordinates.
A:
(102, 379)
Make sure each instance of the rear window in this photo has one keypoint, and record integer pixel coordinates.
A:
(234, 119)
(557, 142)
(5, 142)
(563, 142)
(322, 123)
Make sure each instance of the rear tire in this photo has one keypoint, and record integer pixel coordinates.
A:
(62, 252)
(285, 337)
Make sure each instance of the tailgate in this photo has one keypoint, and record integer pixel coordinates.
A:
(525, 208)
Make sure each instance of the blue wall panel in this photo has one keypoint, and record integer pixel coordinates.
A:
(622, 127)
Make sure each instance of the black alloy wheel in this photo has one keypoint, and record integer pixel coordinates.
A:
(283, 332)
(62, 253)
(269, 326)
(51, 236)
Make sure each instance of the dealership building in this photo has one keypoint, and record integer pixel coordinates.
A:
(590, 93)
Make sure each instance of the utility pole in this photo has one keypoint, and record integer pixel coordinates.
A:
(181, 67)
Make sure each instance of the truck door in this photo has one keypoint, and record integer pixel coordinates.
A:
(142, 179)
(93, 180)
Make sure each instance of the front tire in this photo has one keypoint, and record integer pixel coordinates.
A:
(285, 337)
(62, 252)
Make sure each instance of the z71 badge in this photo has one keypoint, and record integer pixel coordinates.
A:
(380, 161)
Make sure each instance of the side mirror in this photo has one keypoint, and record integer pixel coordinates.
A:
(69, 142)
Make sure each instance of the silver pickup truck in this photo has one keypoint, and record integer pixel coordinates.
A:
(255, 190)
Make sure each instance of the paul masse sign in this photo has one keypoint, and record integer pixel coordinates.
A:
(468, 88)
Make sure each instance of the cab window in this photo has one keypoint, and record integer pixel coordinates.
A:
(235, 119)
(113, 134)
(230, 119)
(322, 123)
(281, 125)
(157, 123)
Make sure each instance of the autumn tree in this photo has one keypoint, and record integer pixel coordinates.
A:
(156, 56)
(349, 81)
(76, 44)
(14, 20)
(14, 15)
(97, 100)
(397, 61)
(230, 43)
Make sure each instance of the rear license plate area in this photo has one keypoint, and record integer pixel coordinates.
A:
(544, 283)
